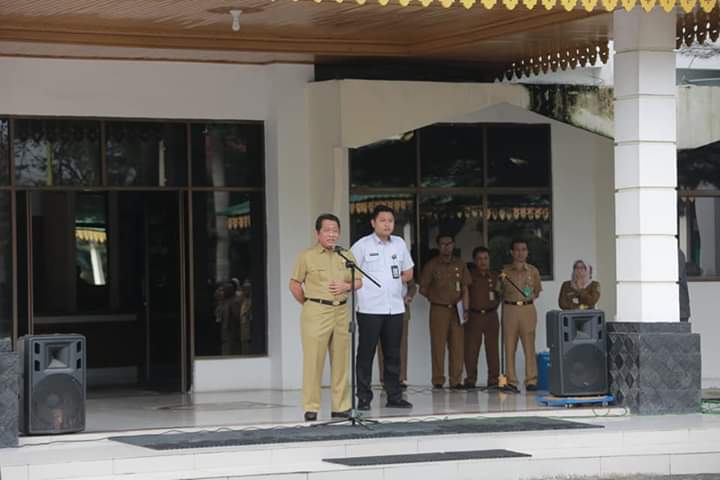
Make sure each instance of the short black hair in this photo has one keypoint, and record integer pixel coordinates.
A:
(323, 217)
(477, 250)
(381, 208)
(516, 241)
(444, 235)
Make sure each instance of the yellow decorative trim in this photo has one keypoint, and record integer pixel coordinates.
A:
(530, 4)
(90, 235)
(667, 5)
(589, 5)
(425, 3)
(467, 3)
(510, 4)
(447, 3)
(568, 4)
(647, 5)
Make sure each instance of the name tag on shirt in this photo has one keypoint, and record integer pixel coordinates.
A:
(395, 271)
(491, 294)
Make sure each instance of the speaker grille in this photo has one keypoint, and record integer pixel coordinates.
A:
(57, 405)
(585, 369)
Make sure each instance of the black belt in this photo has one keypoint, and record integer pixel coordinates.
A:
(518, 303)
(332, 303)
(444, 305)
(482, 311)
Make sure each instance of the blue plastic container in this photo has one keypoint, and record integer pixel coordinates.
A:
(543, 367)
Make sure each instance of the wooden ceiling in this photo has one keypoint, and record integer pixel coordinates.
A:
(288, 31)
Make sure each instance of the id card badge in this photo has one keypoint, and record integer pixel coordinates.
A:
(527, 291)
(491, 294)
(395, 271)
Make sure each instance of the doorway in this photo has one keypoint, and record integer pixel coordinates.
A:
(109, 265)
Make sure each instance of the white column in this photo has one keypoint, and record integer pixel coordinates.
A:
(645, 166)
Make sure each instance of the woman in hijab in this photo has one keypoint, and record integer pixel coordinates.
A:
(581, 291)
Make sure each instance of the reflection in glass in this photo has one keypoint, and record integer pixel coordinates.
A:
(526, 217)
(518, 156)
(146, 153)
(91, 238)
(457, 215)
(57, 152)
(5, 267)
(4, 152)
(361, 208)
(699, 168)
(388, 163)
(229, 256)
(227, 155)
(699, 234)
(451, 156)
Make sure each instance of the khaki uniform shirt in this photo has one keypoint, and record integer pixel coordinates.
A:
(316, 267)
(443, 281)
(578, 299)
(527, 280)
(482, 291)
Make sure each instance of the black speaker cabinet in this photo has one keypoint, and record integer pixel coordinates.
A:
(578, 352)
(52, 392)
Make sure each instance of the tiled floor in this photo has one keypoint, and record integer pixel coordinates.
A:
(135, 409)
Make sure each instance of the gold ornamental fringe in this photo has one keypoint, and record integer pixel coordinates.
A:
(503, 214)
(367, 206)
(562, 59)
(697, 26)
(240, 222)
(589, 5)
(90, 235)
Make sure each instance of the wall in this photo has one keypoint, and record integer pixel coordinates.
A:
(274, 94)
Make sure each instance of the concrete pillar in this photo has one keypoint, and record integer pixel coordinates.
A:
(645, 166)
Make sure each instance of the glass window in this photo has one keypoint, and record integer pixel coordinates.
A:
(57, 152)
(518, 156)
(526, 217)
(389, 163)
(227, 155)
(229, 256)
(699, 235)
(4, 152)
(5, 267)
(699, 168)
(451, 214)
(451, 156)
(146, 154)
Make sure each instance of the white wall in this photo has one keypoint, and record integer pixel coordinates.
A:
(274, 94)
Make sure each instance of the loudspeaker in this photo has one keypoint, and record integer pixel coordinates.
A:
(578, 352)
(52, 376)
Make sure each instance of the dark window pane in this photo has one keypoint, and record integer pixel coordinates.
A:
(699, 235)
(518, 156)
(5, 267)
(361, 207)
(4, 152)
(226, 155)
(451, 156)
(229, 256)
(146, 154)
(389, 163)
(457, 215)
(699, 168)
(57, 152)
(526, 217)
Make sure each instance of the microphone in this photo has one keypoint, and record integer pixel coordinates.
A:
(339, 249)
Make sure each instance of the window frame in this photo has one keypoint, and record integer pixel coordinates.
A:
(682, 193)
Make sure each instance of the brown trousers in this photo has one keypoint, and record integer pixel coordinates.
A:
(481, 326)
(519, 322)
(445, 329)
(403, 350)
(324, 330)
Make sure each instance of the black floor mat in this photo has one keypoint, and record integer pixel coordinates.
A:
(425, 457)
(324, 433)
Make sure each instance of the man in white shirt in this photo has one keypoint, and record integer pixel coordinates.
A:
(386, 258)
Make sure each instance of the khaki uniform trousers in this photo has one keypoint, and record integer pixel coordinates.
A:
(403, 349)
(519, 322)
(325, 328)
(445, 329)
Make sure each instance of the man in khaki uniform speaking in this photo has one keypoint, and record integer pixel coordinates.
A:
(444, 281)
(519, 286)
(321, 282)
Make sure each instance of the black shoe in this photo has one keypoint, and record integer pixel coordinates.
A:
(510, 388)
(343, 414)
(459, 386)
(403, 386)
(492, 388)
(531, 388)
(469, 386)
(310, 416)
(437, 386)
(399, 403)
(363, 405)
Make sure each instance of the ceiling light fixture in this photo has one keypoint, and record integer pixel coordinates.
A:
(236, 19)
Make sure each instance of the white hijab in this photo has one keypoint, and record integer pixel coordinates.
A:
(573, 280)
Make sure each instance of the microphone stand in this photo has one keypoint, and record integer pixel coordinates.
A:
(355, 417)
